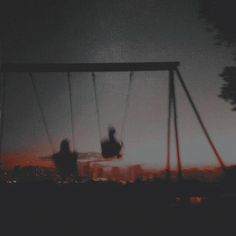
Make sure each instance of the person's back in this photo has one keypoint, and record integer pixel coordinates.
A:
(65, 161)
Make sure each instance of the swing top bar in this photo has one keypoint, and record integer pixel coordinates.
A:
(91, 67)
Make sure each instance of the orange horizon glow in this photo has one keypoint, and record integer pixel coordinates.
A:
(32, 158)
(107, 169)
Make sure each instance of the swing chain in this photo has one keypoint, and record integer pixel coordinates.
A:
(43, 117)
(69, 80)
(127, 104)
(97, 105)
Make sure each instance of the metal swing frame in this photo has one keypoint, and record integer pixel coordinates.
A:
(170, 67)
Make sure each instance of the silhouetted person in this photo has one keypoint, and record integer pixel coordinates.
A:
(111, 147)
(66, 161)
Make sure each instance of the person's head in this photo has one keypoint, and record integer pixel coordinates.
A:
(111, 132)
(65, 146)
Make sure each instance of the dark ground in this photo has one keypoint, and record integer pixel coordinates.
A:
(112, 209)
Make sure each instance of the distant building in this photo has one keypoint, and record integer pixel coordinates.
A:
(134, 172)
(96, 172)
(84, 169)
(116, 175)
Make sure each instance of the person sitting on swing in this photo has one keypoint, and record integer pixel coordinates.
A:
(111, 147)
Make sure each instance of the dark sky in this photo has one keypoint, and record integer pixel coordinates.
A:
(115, 31)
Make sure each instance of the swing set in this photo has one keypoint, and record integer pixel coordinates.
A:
(170, 67)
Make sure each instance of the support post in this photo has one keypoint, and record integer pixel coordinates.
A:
(179, 164)
(169, 129)
(212, 145)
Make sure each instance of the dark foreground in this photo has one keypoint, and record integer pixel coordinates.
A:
(107, 209)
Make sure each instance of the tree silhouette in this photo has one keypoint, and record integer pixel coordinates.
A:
(220, 18)
(228, 90)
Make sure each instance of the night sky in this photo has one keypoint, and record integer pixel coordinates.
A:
(115, 31)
